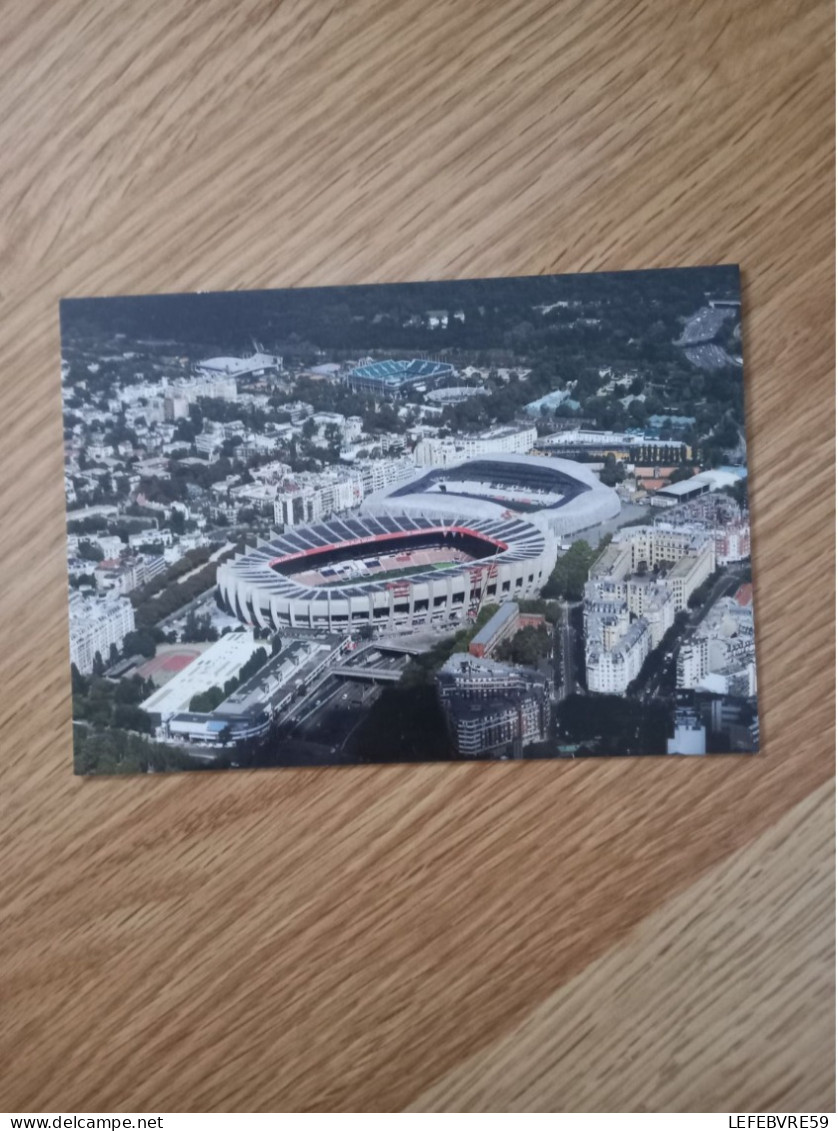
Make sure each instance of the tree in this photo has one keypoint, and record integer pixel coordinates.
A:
(79, 682)
(206, 701)
(185, 432)
(251, 667)
(527, 646)
(98, 664)
(90, 551)
(680, 474)
(113, 751)
(612, 472)
(571, 572)
(637, 412)
(113, 655)
(550, 610)
(139, 640)
(127, 716)
(132, 690)
(739, 492)
(198, 628)
(80, 580)
(228, 446)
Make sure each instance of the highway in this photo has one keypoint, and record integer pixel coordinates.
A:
(370, 675)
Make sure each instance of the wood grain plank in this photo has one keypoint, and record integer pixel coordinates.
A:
(345, 939)
(716, 951)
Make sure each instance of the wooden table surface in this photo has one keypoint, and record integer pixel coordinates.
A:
(624, 935)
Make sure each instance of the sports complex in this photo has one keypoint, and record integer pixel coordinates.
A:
(396, 572)
(396, 376)
(429, 552)
(559, 495)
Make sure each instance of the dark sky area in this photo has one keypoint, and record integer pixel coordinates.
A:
(343, 316)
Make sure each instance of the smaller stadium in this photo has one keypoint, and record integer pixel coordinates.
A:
(394, 572)
(395, 377)
(558, 495)
(455, 394)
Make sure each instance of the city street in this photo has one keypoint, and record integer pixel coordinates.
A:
(565, 651)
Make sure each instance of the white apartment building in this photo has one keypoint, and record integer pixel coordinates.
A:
(217, 388)
(175, 408)
(690, 735)
(693, 664)
(152, 412)
(721, 656)
(656, 544)
(688, 573)
(658, 610)
(611, 670)
(723, 517)
(688, 558)
(273, 472)
(95, 624)
(642, 597)
(340, 494)
(297, 410)
(299, 507)
(122, 577)
(627, 612)
(308, 498)
(439, 452)
(606, 621)
(110, 544)
(208, 443)
(143, 537)
(379, 474)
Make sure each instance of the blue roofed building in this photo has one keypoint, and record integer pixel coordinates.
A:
(394, 377)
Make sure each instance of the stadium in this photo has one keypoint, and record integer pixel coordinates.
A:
(394, 572)
(456, 394)
(558, 495)
(395, 377)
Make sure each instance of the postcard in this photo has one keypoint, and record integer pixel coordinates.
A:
(480, 519)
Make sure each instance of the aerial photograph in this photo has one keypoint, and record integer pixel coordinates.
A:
(481, 519)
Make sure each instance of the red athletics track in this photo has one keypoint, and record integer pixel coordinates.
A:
(168, 663)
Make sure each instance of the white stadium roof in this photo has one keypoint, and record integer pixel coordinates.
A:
(237, 366)
(573, 497)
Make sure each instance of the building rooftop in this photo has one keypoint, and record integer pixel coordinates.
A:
(237, 366)
(507, 611)
(745, 594)
(683, 566)
(705, 481)
(221, 661)
(399, 372)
